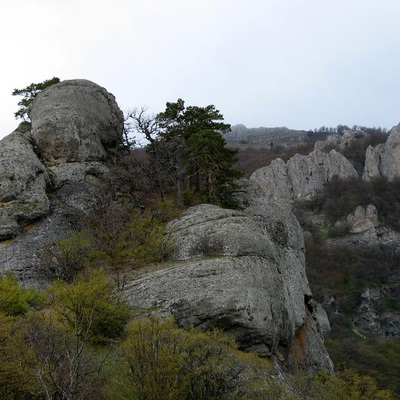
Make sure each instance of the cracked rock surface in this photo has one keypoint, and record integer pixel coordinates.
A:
(232, 273)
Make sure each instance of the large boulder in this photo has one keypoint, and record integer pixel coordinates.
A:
(75, 121)
(384, 159)
(52, 173)
(242, 272)
(23, 181)
(302, 177)
(363, 219)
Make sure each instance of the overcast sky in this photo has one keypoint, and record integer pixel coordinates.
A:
(295, 63)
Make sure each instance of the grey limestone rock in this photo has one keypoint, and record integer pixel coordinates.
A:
(23, 181)
(82, 186)
(75, 121)
(302, 177)
(51, 174)
(78, 193)
(369, 317)
(339, 142)
(363, 219)
(322, 318)
(242, 271)
(384, 159)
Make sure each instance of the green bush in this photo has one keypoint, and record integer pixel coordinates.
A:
(346, 385)
(116, 237)
(374, 357)
(15, 299)
(15, 380)
(341, 197)
(89, 307)
(72, 255)
(160, 360)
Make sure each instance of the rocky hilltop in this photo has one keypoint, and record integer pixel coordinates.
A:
(242, 137)
(384, 159)
(53, 172)
(303, 178)
(242, 271)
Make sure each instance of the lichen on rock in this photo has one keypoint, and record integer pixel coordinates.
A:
(254, 289)
(75, 121)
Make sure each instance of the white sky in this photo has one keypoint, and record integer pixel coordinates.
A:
(295, 63)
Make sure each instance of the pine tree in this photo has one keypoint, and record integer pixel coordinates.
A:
(29, 93)
(200, 161)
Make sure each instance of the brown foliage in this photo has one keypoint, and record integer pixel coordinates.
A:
(250, 159)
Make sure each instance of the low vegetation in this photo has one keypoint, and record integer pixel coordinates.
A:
(338, 275)
(116, 237)
(81, 341)
(342, 196)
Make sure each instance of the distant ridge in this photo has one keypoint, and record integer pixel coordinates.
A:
(242, 137)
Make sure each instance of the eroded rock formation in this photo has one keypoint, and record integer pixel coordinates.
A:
(384, 159)
(52, 173)
(242, 272)
(23, 181)
(302, 177)
(75, 121)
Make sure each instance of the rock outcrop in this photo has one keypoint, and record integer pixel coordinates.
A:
(384, 159)
(339, 142)
(363, 219)
(369, 317)
(302, 177)
(243, 272)
(23, 182)
(75, 121)
(52, 173)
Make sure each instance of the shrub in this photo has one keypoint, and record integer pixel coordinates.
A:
(207, 245)
(339, 230)
(374, 357)
(15, 299)
(159, 359)
(15, 382)
(89, 306)
(71, 255)
(347, 384)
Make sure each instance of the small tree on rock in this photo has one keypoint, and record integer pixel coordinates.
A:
(29, 93)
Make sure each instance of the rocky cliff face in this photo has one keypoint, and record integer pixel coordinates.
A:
(384, 159)
(23, 182)
(242, 271)
(52, 174)
(75, 121)
(302, 177)
(369, 317)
